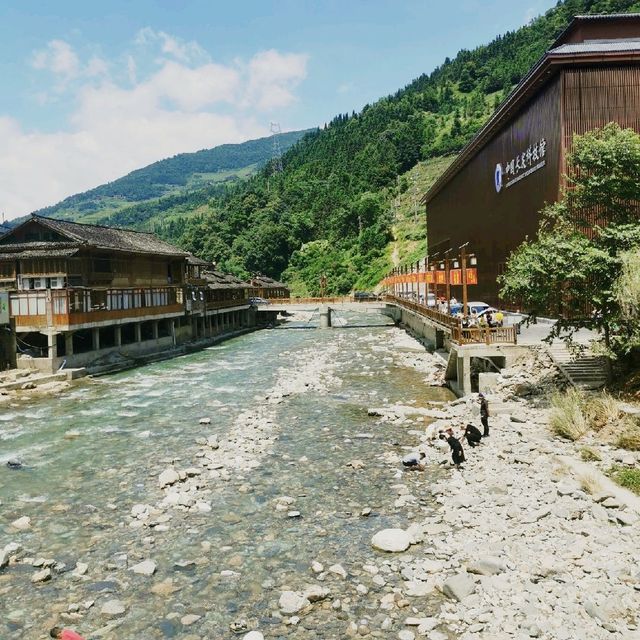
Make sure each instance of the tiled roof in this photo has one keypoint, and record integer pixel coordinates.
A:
(267, 282)
(219, 280)
(110, 237)
(28, 252)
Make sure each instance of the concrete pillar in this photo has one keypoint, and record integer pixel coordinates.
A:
(463, 366)
(117, 335)
(52, 345)
(154, 328)
(325, 317)
(68, 343)
(137, 332)
(95, 335)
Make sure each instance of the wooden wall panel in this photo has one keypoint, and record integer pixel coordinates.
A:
(469, 209)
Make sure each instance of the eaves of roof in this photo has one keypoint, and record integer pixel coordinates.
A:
(538, 76)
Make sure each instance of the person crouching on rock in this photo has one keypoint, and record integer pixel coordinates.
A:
(64, 634)
(473, 435)
(457, 452)
(415, 461)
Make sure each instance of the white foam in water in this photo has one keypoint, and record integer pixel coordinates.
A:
(127, 414)
(143, 434)
(5, 417)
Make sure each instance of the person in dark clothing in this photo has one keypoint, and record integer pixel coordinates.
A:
(473, 435)
(457, 452)
(484, 414)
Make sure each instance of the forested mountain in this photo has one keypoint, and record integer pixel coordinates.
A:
(333, 209)
(344, 204)
(178, 176)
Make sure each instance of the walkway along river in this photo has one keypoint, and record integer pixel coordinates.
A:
(146, 517)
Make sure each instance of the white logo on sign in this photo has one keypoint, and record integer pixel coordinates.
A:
(498, 177)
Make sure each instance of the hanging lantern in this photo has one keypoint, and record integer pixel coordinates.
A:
(473, 261)
(456, 264)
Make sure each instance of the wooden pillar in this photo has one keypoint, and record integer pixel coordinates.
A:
(95, 336)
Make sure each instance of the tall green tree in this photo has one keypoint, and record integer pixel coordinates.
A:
(573, 267)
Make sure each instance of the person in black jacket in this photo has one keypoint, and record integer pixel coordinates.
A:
(473, 435)
(484, 414)
(457, 452)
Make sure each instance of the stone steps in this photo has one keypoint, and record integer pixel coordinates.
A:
(583, 370)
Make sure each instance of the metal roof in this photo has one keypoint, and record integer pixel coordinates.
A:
(596, 47)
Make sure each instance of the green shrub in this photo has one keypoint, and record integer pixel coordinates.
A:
(626, 477)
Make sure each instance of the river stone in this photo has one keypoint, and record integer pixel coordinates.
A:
(317, 567)
(113, 609)
(338, 570)
(167, 477)
(315, 593)
(254, 635)
(81, 568)
(292, 602)
(189, 619)
(41, 576)
(459, 587)
(486, 567)
(22, 524)
(626, 518)
(405, 634)
(391, 540)
(144, 568)
(205, 420)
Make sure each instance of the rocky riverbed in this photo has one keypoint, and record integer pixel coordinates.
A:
(228, 495)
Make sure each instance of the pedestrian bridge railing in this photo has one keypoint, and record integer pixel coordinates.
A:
(459, 334)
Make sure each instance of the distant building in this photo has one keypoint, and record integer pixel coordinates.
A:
(265, 287)
(86, 294)
(491, 195)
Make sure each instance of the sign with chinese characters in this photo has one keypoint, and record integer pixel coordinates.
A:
(523, 165)
(4, 307)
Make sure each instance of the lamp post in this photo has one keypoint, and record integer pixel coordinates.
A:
(433, 269)
(447, 274)
(463, 264)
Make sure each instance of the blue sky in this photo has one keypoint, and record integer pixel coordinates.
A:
(90, 91)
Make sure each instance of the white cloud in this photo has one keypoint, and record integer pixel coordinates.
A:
(187, 52)
(121, 121)
(59, 58)
(273, 76)
(346, 87)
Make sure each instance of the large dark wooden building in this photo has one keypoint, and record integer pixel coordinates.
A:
(491, 195)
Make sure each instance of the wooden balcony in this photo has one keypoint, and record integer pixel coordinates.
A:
(71, 308)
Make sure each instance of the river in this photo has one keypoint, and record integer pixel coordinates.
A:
(289, 408)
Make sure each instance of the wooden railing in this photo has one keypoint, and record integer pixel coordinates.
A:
(77, 306)
(334, 300)
(459, 335)
(486, 335)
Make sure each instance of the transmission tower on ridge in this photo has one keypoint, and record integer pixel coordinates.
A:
(277, 150)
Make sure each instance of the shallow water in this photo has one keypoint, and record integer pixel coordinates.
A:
(97, 450)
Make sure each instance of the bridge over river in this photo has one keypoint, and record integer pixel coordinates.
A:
(481, 350)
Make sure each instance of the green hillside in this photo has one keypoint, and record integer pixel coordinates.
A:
(176, 176)
(340, 206)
